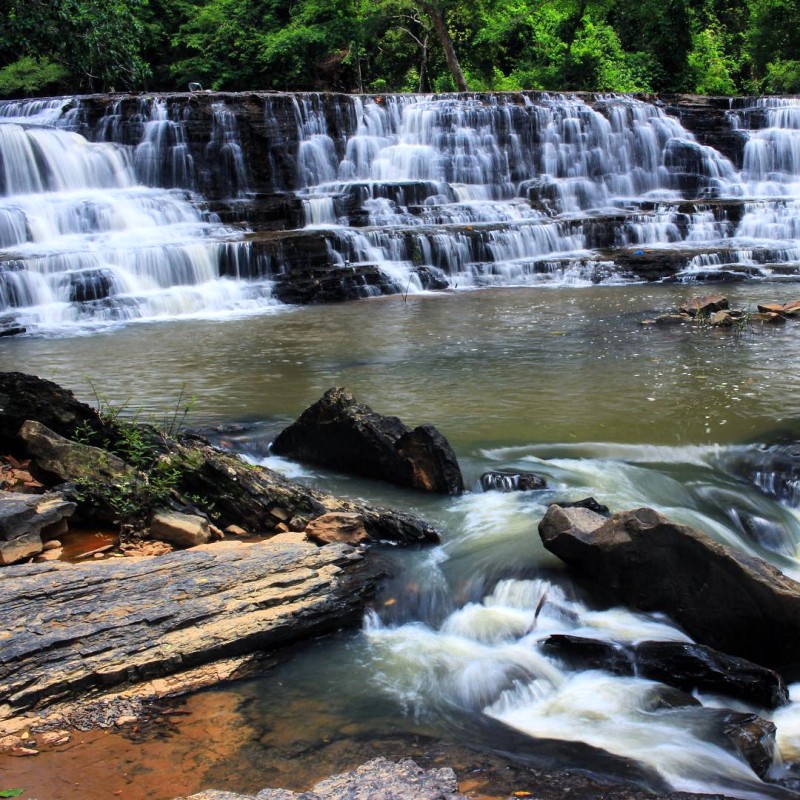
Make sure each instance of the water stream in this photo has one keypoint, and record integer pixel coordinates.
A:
(546, 369)
(563, 383)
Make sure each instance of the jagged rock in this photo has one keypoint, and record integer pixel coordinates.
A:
(70, 461)
(685, 666)
(732, 602)
(181, 530)
(337, 527)
(706, 305)
(72, 628)
(379, 778)
(509, 481)
(22, 518)
(24, 397)
(259, 500)
(753, 737)
(340, 433)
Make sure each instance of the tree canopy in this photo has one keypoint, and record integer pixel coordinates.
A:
(703, 46)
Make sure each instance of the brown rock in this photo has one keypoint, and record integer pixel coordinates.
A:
(671, 319)
(52, 544)
(49, 555)
(769, 317)
(182, 530)
(236, 530)
(706, 305)
(791, 309)
(337, 527)
(735, 603)
(52, 738)
(721, 319)
(770, 308)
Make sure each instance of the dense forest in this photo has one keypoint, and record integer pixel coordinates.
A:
(703, 46)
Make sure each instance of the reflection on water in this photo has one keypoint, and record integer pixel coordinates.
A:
(566, 384)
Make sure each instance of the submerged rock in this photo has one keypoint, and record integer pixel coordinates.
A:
(735, 603)
(340, 433)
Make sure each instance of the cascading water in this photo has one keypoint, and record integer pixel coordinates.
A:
(425, 191)
(87, 237)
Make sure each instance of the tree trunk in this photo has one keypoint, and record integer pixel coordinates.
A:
(437, 18)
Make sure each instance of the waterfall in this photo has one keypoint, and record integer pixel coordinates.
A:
(88, 236)
(122, 210)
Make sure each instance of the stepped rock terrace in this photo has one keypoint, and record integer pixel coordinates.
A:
(124, 208)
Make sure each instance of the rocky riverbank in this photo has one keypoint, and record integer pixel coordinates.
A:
(271, 562)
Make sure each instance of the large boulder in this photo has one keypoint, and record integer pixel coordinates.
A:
(725, 599)
(340, 433)
(24, 397)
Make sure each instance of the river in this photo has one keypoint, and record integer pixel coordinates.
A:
(563, 381)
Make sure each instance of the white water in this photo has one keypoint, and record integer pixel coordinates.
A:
(478, 190)
(85, 242)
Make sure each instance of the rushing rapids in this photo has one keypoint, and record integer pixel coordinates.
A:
(140, 208)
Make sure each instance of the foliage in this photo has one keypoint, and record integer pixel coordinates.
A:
(145, 447)
(11, 792)
(707, 46)
(30, 75)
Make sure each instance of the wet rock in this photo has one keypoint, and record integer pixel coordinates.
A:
(686, 666)
(774, 470)
(432, 278)
(379, 778)
(509, 481)
(181, 530)
(337, 527)
(22, 518)
(71, 628)
(732, 602)
(24, 397)
(721, 319)
(340, 433)
(671, 319)
(753, 737)
(706, 305)
(260, 500)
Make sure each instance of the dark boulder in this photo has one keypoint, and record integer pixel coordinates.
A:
(732, 602)
(502, 480)
(340, 433)
(684, 665)
(24, 397)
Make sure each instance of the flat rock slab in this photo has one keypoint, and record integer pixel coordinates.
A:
(71, 629)
(379, 778)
